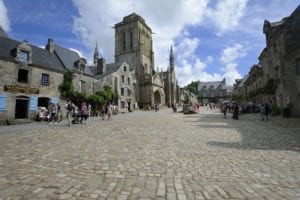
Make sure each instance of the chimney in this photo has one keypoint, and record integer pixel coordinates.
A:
(101, 66)
(50, 45)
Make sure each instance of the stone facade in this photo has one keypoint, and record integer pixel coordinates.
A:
(278, 82)
(30, 76)
(120, 78)
(212, 91)
(134, 44)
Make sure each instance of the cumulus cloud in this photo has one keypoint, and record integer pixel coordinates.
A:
(227, 14)
(229, 59)
(4, 21)
(190, 67)
(167, 20)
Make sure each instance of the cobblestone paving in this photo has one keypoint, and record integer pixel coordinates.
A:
(148, 155)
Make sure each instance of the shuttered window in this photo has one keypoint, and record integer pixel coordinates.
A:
(2, 102)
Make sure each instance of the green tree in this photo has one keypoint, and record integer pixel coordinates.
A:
(192, 87)
(66, 88)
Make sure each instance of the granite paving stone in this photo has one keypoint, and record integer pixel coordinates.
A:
(153, 155)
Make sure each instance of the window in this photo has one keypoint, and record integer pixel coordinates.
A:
(82, 86)
(124, 41)
(297, 67)
(24, 56)
(122, 91)
(23, 76)
(128, 81)
(131, 40)
(128, 92)
(122, 77)
(81, 68)
(125, 68)
(45, 80)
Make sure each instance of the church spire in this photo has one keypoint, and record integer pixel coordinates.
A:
(171, 58)
(96, 54)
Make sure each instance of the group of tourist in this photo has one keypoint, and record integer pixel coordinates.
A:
(234, 108)
(237, 109)
(50, 115)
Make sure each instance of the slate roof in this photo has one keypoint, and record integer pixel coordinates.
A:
(40, 57)
(110, 68)
(69, 58)
(214, 84)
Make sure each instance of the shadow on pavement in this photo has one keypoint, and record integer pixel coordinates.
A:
(276, 134)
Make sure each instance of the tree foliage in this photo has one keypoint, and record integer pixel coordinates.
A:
(192, 87)
(95, 100)
(66, 88)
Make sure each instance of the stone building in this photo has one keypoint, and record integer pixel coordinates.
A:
(283, 61)
(254, 83)
(276, 79)
(239, 87)
(120, 78)
(133, 44)
(30, 76)
(171, 87)
(212, 91)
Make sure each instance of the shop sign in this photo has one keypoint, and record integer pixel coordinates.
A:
(21, 89)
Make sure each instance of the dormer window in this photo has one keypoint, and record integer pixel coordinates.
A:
(24, 56)
(80, 64)
(23, 53)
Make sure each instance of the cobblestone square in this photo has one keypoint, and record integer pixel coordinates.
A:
(153, 155)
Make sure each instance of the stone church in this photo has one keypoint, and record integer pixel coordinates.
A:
(134, 45)
(30, 75)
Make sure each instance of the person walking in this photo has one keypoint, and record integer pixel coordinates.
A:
(70, 108)
(262, 112)
(109, 111)
(84, 113)
(267, 111)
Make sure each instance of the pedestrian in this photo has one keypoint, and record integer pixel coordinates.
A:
(267, 111)
(235, 111)
(53, 111)
(262, 112)
(70, 109)
(224, 110)
(103, 112)
(84, 113)
(109, 111)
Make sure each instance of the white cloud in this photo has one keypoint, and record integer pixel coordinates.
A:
(167, 20)
(230, 54)
(4, 21)
(190, 67)
(228, 58)
(227, 14)
(77, 51)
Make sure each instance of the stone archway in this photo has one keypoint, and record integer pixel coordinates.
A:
(157, 97)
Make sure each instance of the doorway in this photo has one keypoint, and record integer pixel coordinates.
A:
(157, 98)
(21, 111)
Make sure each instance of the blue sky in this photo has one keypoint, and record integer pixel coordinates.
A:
(212, 39)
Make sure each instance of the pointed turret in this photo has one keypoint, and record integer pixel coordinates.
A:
(96, 54)
(171, 58)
